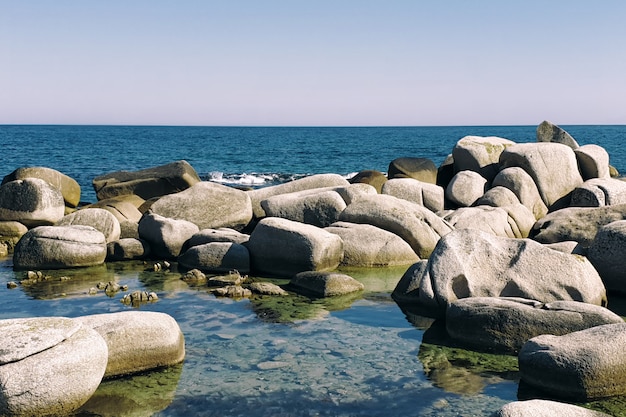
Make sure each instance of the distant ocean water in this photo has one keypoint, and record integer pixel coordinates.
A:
(253, 156)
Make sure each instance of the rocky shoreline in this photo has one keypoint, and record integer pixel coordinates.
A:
(514, 246)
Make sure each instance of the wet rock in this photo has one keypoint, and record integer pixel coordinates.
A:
(54, 247)
(31, 201)
(165, 236)
(580, 366)
(421, 169)
(207, 205)
(479, 154)
(504, 324)
(147, 183)
(217, 257)
(48, 366)
(266, 288)
(194, 277)
(232, 278)
(138, 340)
(69, 188)
(324, 284)
(127, 249)
(282, 247)
(136, 298)
(232, 291)
(98, 218)
(418, 226)
(365, 245)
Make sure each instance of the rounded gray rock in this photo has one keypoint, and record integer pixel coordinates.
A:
(217, 257)
(97, 218)
(324, 284)
(31, 201)
(165, 236)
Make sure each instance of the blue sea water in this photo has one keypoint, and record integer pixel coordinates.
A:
(358, 356)
(255, 156)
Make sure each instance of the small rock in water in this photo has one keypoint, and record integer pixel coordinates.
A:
(233, 278)
(266, 288)
(234, 291)
(194, 276)
(111, 288)
(264, 366)
(11, 284)
(93, 291)
(139, 297)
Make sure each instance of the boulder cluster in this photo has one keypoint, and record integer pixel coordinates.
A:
(504, 241)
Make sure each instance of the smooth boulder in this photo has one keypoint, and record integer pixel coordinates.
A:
(606, 253)
(324, 284)
(513, 220)
(48, 365)
(218, 235)
(137, 340)
(318, 209)
(465, 188)
(504, 324)
(421, 169)
(283, 247)
(523, 186)
(99, 219)
(69, 188)
(127, 249)
(544, 408)
(593, 161)
(425, 194)
(581, 366)
(549, 132)
(146, 183)
(599, 192)
(32, 202)
(479, 154)
(55, 247)
(208, 205)
(165, 236)
(217, 257)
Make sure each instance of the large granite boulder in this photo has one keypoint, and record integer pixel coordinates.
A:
(465, 188)
(418, 226)
(56, 247)
(599, 192)
(421, 169)
(127, 249)
(479, 154)
(498, 196)
(68, 186)
(11, 232)
(606, 253)
(580, 366)
(549, 132)
(100, 219)
(524, 187)
(318, 209)
(125, 210)
(283, 247)
(374, 178)
(365, 245)
(426, 194)
(471, 263)
(324, 284)
(552, 166)
(49, 366)
(147, 183)
(593, 161)
(306, 183)
(544, 408)
(208, 205)
(513, 220)
(165, 236)
(137, 341)
(504, 324)
(217, 257)
(32, 202)
(578, 224)
(222, 234)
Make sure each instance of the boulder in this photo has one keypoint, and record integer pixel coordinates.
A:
(48, 366)
(318, 209)
(552, 166)
(123, 209)
(208, 205)
(31, 201)
(146, 183)
(137, 341)
(544, 408)
(599, 192)
(509, 221)
(374, 178)
(593, 161)
(503, 324)
(100, 219)
(217, 257)
(479, 154)
(324, 284)
(498, 197)
(365, 245)
(426, 194)
(55, 247)
(471, 263)
(127, 249)
(351, 193)
(524, 187)
(445, 172)
(465, 188)
(222, 234)
(421, 169)
(606, 253)
(549, 132)
(165, 236)
(68, 186)
(581, 366)
(283, 247)
(579, 224)
(11, 232)
(418, 226)
(307, 183)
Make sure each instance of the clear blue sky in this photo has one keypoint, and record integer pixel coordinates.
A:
(321, 62)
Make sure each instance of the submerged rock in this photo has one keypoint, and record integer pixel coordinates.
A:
(324, 284)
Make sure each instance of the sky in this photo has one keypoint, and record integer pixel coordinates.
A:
(312, 63)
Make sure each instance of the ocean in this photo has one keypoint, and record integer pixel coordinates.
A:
(348, 356)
